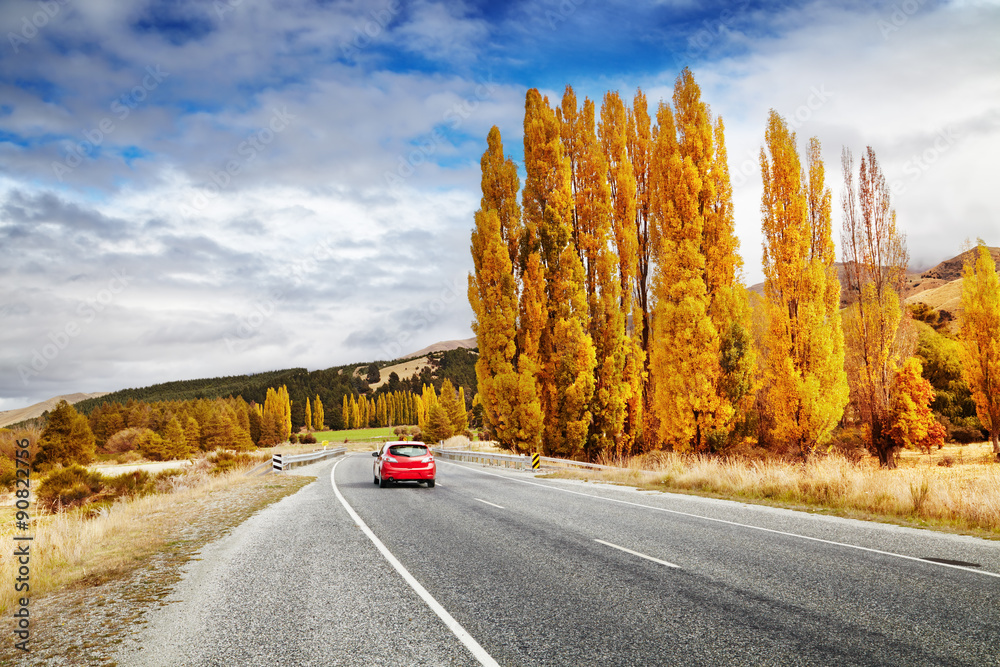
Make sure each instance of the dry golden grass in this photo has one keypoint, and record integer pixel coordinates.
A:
(964, 496)
(462, 442)
(74, 547)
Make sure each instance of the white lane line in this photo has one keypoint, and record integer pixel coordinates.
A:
(734, 523)
(488, 503)
(636, 553)
(477, 651)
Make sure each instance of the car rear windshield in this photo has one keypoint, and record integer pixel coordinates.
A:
(408, 450)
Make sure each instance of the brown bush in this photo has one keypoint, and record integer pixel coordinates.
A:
(69, 487)
(126, 440)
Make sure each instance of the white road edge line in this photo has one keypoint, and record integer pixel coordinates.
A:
(636, 553)
(477, 651)
(735, 523)
(489, 503)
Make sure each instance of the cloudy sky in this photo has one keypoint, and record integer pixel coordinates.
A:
(201, 188)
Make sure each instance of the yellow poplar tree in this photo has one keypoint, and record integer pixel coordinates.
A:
(980, 337)
(318, 415)
(566, 352)
(493, 295)
(592, 216)
(309, 418)
(700, 359)
(875, 260)
(806, 385)
(272, 420)
(623, 191)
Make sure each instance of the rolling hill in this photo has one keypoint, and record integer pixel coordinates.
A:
(8, 417)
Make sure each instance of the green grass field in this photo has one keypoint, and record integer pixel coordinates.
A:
(356, 435)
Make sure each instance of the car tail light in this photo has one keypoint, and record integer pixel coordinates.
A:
(427, 459)
(390, 459)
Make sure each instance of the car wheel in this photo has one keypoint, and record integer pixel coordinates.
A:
(374, 479)
(430, 484)
(382, 483)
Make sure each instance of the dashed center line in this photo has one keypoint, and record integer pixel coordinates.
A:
(731, 523)
(486, 502)
(636, 553)
(484, 658)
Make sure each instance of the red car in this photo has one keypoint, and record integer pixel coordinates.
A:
(400, 461)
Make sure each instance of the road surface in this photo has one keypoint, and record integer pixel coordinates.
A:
(498, 567)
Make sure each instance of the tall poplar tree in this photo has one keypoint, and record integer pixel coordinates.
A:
(699, 377)
(875, 260)
(623, 192)
(980, 337)
(566, 351)
(318, 414)
(592, 222)
(805, 382)
(505, 375)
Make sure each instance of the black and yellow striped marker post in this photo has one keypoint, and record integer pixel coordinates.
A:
(536, 461)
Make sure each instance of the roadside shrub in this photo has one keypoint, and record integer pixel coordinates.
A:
(68, 487)
(293, 438)
(8, 473)
(223, 461)
(307, 439)
(131, 484)
(129, 457)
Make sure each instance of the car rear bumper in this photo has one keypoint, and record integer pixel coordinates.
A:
(409, 473)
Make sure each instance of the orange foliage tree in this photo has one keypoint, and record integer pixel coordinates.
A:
(913, 423)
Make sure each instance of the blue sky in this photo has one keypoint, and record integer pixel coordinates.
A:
(192, 189)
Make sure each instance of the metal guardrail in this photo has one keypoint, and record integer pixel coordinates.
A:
(280, 462)
(519, 461)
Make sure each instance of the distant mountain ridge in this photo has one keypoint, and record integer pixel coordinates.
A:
(453, 359)
(938, 286)
(8, 417)
(444, 346)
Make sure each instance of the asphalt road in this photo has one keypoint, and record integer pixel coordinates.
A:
(540, 572)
